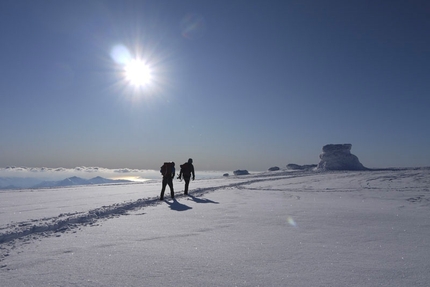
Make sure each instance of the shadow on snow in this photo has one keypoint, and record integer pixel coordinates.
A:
(201, 200)
(176, 205)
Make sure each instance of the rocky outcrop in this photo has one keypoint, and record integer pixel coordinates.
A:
(293, 166)
(339, 157)
(240, 172)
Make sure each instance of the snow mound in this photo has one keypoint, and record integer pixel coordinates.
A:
(339, 157)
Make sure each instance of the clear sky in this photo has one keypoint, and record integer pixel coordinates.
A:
(234, 84)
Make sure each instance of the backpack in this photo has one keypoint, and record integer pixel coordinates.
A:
(186, 169)
(167, 169)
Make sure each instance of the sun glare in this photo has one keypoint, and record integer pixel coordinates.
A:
(137, 73)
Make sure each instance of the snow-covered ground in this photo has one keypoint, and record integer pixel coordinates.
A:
(301, 228)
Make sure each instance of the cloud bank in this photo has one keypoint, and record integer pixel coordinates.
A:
(61, 172)
(29, 176)
(26, 177)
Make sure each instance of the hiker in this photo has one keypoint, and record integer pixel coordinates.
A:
(168, 172)
(186, 170)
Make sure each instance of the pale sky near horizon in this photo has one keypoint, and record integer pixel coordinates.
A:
(235, 84)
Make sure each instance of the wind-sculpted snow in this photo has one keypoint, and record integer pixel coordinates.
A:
(283, 181)
(69, 222)
(307, 228)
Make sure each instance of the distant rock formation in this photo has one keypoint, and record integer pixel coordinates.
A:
(339, 157)
(275, 168)
(293, 166)
(240, 172)
(225, 174)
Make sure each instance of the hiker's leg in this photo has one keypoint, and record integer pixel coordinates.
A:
(187, 183)
(170, 183)
(163, 188)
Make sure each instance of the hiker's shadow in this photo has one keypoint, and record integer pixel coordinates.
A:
(175, 205)
(201, 200)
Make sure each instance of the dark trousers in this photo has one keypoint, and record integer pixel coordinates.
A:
(167, 181)
(187, 183)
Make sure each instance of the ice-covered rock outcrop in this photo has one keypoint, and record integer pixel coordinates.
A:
(293, 166)
(241, 172)
(339, 157)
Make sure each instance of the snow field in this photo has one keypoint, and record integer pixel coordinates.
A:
(274, 229)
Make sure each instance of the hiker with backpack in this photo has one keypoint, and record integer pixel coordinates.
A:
(187, 169)
(168, 173)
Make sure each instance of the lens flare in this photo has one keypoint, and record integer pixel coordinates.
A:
(120, 54)
(291, 221)
(193, 26)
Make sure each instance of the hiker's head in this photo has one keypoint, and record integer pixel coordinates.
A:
(190, 160)
(173, 163)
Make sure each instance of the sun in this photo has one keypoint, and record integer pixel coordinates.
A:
(137, 72)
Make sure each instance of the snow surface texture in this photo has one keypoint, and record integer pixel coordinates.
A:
(282, 228)
(339, 157)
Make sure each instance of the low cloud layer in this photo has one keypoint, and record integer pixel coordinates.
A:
(82, 171)
(25, 177)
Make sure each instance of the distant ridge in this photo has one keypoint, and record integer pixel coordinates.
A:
(74, 180)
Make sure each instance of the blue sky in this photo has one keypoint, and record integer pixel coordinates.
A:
(235, 84)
